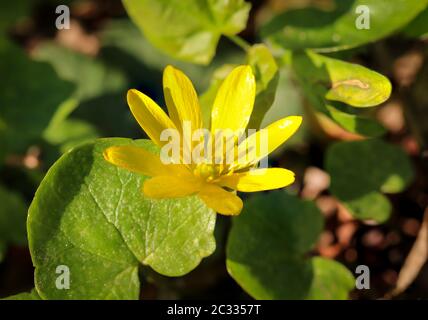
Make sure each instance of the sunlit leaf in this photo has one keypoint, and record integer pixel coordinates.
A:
(92, 217)
(328, 82)
(336, 29)
(186, 29)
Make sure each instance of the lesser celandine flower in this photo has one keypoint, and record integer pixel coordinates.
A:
(215, 182)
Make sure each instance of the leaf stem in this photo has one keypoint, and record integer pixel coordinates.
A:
(244, 45)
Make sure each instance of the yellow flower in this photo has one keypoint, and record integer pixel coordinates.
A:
(214, 183)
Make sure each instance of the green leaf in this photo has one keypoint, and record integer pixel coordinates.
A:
(418, 27)
(341, 81)
(28, 99)
(32, 295)
(92, 217)
(267, 76)
(361, 170)
(67, 132)
(328, 82)
(354, 123)
(13, 215)
(91, 77)
(336, 29)
(186, 29)
(267, 247)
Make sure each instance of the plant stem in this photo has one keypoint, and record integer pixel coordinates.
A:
(240, 42)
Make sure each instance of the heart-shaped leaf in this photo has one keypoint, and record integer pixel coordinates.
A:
(190, 29)
(267, 247)
(92, 217)
(361, 170)
(349, 24)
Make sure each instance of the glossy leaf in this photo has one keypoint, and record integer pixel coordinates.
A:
(361, 170)
(91, 216)
(267, 247)
(336, 29)
(342, 81)
(328, 83)
(186, 29)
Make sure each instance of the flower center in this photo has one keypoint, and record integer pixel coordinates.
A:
(207, 172)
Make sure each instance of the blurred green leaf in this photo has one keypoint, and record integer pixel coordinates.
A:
(91, 216)
(328, 82)
(267, 247)
(124, 47)
(32, 295)
(13, 215)
(360, 170)
(267, 76)
(28, 99)
(71, 133)
(186, 29)
(67, 132)
(333, 30)
(91, 76)
(418, 27)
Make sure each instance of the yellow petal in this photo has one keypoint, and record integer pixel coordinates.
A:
(161, 187)
(149, 115)
(139, 160)
(181, 99)
(263, 142)
(258, 180)
(220, 200)
(234, 102)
